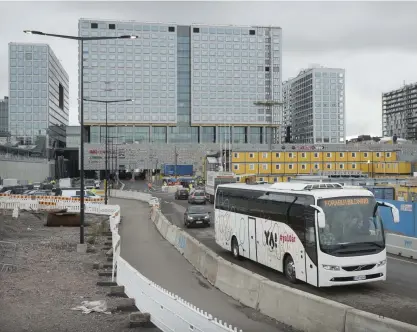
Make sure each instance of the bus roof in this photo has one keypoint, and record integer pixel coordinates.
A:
(319, 190)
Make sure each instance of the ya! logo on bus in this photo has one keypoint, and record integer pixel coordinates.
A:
(272, 239)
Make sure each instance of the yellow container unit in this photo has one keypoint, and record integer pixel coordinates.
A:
(238, 157)
(277, 166)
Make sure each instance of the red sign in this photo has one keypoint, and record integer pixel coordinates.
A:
(287, 238)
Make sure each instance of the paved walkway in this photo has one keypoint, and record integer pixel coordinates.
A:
(145, 249)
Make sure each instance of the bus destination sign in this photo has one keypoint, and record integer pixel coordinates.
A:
(346, 202)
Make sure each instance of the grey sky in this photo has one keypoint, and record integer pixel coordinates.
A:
(374, 41)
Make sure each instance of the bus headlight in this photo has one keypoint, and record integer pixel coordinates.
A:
(381, 263)
(331, 267)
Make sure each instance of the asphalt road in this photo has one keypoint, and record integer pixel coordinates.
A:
(146, 250)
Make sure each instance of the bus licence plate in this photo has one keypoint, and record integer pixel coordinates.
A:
(357, 278)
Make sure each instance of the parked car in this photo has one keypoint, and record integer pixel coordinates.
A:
(77, 193)
(181, 194)
(41, 193)
(197, 215)
(197, 197)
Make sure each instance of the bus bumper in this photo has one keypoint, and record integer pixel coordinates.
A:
(340, 278)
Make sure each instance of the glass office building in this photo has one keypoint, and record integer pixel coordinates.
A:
(193, 83)
(315, 101)
(38, 94)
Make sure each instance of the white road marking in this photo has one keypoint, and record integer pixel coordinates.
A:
(402, 260)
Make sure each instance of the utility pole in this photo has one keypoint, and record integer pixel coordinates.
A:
(175, 161)
(269, 104)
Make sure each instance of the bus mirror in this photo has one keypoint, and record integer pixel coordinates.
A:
(395, 212)
(321, 219)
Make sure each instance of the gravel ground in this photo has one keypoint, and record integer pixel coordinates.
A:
(52, 278)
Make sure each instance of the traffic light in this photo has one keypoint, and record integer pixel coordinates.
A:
(288, 134)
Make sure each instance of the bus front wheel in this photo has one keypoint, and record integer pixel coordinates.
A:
(289, 269)
(235, 248)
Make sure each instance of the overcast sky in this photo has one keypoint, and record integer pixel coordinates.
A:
(375, 42)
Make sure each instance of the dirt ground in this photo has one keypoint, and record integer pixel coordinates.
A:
(52, 278)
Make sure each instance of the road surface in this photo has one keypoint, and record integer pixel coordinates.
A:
(395, 298)
(146, 250)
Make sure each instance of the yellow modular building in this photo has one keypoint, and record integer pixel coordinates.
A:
(273, 166)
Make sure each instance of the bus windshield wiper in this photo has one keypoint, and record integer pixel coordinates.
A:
(377, 244)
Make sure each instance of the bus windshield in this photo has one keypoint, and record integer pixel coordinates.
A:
(351, 222)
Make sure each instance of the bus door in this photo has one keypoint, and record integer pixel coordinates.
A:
(310, 245)
(296, 221)
(253, 255)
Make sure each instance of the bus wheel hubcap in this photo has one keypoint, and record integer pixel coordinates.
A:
(290, 269)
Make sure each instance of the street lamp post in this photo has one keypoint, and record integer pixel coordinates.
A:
(107, 102)
(81, 40)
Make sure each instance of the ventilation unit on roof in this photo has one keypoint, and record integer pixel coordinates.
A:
(323, 186)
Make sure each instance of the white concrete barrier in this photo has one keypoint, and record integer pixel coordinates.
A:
(193, 250)
(209, 263)
(401, 245)
(164, 224)
(303, 311)
(362, 321)
(241, 284)
(168, 311)
(172, 234)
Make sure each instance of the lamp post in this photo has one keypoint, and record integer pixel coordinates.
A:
(81, 40)
(107, 102)
(270, 104)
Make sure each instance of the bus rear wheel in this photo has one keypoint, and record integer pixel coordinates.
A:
(235, 248)
(289, 269)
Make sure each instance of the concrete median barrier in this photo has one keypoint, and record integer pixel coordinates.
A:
(301, 310)
(362, 321)
(209, 265)
(239, 283)
(402, 245)
(180, 241)
(172, 234)
(163, 226)
(193, 250)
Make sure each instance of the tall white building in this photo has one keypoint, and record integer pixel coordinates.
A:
(189, 83)
(315, 100)
(38, 94)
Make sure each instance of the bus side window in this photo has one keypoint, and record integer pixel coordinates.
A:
(219, 199)
(278, 205)
(296, 216)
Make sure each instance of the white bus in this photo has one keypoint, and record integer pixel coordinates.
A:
(322, 234)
